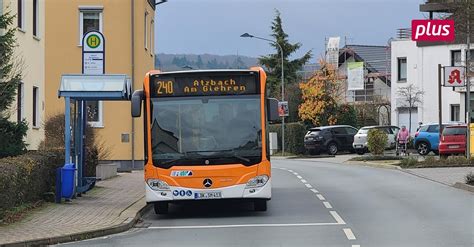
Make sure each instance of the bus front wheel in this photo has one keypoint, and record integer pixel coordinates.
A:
(260, 205)
(161, 207)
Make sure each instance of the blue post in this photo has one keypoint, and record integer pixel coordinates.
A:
(80, 143)
(67, 131)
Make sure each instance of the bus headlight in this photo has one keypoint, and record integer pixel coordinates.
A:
(156, 184)
(257, 181)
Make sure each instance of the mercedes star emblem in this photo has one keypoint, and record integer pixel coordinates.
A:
(207, 183)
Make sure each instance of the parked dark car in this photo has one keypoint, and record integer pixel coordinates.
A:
(330, 139)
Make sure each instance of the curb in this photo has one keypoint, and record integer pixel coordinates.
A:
(457, 185)
(464, 186)
(126, 225)
(375, 165)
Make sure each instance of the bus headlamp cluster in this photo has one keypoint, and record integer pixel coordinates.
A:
(257, 181)
(156, 184)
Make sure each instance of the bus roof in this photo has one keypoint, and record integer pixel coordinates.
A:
(155, 72)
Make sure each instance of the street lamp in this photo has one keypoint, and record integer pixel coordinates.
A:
(247, 35)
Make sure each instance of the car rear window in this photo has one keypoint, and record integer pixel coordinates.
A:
(364, 131)
(454, 131)
(424, 128)
(386, 130)
(314, 132)
(433, 128)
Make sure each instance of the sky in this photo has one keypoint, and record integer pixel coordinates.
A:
(215, 26)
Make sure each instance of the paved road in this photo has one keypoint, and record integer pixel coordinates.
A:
(318, 203)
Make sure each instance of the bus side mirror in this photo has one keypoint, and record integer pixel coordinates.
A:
(137, 98)
(272, 109)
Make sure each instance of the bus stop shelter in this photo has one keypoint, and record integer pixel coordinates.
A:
(77, 89)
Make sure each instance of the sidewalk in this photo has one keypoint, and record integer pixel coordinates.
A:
(109, 208)
(447, 175)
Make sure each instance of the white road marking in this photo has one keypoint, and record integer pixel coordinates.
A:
(355, 245)
(349, 234)
(338, 218)
(245, 225)
(339, 221)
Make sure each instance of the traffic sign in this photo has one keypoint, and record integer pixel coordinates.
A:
(454, 76)
(93, 53)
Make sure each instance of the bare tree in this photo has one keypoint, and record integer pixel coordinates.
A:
(410, 97)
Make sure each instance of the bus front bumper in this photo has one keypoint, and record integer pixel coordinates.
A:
(231, 192)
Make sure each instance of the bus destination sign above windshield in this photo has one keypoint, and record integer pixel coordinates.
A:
(204, 85)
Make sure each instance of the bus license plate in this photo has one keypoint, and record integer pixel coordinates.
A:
(207, 195)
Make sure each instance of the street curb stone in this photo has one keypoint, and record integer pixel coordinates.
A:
(464, 186)
(372, 164)
(457, 185)
(126, 225)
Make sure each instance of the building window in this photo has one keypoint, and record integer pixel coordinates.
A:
(152, 33)
(90, 20)
(35, 119)
(21, 14)
(457, 59)
(94, 113)
(402, 69)
(35, 17)
(19, 102)
(455, 112)
(146, 30)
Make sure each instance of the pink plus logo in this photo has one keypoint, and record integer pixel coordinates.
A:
(432, 30)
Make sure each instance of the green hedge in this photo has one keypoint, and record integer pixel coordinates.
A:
(27, 178)
(294, 137)
(11, 137)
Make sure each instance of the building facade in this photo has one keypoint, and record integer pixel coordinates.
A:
(29, 104)
(418, 65)
(129, 37)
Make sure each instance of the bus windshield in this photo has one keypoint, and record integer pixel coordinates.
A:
(206, 130)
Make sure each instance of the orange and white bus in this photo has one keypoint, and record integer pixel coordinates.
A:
(206, 136)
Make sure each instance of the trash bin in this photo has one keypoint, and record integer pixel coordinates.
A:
(68, 174)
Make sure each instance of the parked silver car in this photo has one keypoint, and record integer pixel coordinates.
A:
(360, 139)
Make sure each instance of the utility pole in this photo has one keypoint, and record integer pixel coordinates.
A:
(468, 83)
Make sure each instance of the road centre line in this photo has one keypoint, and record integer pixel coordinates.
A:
(247, 225)
(355, 245)
(349, 234)
(327, 204)
(347, 231)
(338, 218)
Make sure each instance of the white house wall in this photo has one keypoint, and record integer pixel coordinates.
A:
(422, 71)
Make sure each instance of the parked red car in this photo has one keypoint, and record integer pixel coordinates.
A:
(453, 140)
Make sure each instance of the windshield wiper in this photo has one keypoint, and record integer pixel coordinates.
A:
(232, 152)
(207, 151)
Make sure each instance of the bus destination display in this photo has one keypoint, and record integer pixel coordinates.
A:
(204, 85)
